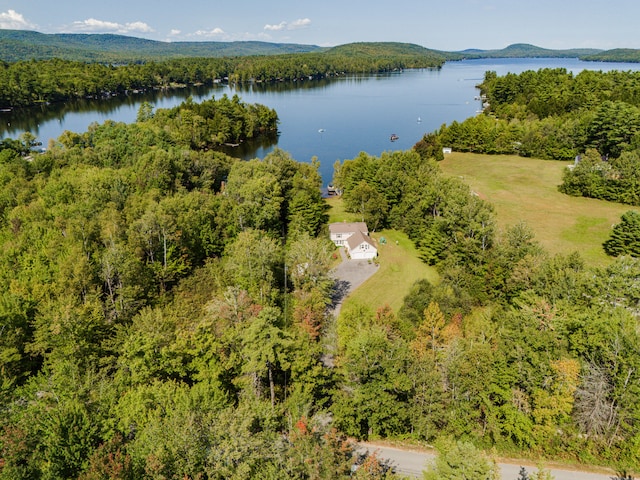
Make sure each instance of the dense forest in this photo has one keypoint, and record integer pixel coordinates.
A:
(164, 312)
(26, 83)
(160, 307)
(165, 308)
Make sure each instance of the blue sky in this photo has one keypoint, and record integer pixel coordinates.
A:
(444, 25)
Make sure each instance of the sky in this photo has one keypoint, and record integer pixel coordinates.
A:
(442, 25)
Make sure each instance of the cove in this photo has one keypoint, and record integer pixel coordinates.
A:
(332, 119)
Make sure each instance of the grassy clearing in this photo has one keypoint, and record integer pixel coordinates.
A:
(400, 266)
(524, 189)
(337, 212)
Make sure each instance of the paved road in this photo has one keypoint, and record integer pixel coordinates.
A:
(413, 462)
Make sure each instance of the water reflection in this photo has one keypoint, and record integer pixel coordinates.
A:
(17, 121)
(255, 148)
(281, 87)
(319, 84)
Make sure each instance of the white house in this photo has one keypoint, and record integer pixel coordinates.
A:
(354, 237)
(361, 247)
(342, 230)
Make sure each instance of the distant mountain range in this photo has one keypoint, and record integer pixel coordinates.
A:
(16, 45)
(524, 50)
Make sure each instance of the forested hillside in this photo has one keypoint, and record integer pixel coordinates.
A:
(524, 50)
(27, 83)
(615, 55)
(18, 45)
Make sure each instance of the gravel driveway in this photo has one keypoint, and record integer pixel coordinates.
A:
(349, 275)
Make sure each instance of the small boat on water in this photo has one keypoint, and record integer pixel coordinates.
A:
(419, 120)
(321, 130)
(394, 137)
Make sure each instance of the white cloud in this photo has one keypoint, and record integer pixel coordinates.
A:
(93, 25)
(13, 20)
(276, 28)
(101, 26)
(216, 32)
(295, 25)
(174, 32)
(265, 37)
(300, 23)
(138, 27)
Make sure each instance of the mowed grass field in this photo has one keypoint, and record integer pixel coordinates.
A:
(400, 266)
(526, 190)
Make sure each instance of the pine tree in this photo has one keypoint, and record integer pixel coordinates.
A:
(625, 237)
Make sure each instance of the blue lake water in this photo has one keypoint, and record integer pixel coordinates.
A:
(331, 120)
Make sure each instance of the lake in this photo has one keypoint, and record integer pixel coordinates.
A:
(332, 119)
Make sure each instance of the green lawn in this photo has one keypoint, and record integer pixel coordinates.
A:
(525, 189)
(399, 269)
(337, 212)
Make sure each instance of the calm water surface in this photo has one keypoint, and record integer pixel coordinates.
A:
(331, 120)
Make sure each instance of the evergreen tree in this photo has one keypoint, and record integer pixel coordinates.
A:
(625, 237)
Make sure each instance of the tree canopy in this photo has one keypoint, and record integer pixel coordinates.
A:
(164, 314)
(625, 236)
